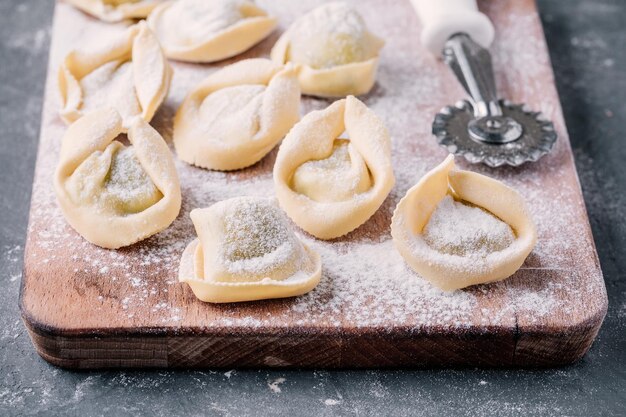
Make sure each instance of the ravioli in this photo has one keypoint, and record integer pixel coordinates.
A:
(333, 170)
(237, 115)
(112, 194)
(246, 251)
(209, 30)
(335, 52)
(129, 73)
(458, 228)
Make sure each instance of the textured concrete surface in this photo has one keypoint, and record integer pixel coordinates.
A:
(586, 40)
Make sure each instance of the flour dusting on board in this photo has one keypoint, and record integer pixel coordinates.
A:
(365, 281)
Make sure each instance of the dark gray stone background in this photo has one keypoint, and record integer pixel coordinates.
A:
(587, 41)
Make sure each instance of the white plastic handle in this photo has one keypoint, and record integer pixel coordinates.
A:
(443, 18)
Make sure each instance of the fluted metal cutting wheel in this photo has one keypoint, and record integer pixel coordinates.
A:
(537, 138)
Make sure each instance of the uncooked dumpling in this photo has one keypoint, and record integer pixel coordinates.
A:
(129, 73)
(237, 115)
(209, 30)
(458, 228)
(115, 195)
(335, 52)
(329, 182)
(246, 251)
(116, 10)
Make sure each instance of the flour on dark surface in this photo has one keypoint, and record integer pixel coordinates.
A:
(591, 387)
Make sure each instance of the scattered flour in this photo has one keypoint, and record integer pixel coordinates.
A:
(456, 228)
(410, 87)
(257, 239)
(414, 153)
(274, 385)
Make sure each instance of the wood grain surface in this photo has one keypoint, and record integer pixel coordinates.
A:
(86, 307)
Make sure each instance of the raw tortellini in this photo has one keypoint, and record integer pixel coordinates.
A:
(246, 251)
(115, 195)
(116, 10)
(129, 74)
(329, 184)
(237, 115)
(209, 30)
(337, 55)
(458, 228)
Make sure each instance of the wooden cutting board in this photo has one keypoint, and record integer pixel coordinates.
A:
(86, 307)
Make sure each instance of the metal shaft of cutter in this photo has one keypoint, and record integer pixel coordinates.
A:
(472, 66)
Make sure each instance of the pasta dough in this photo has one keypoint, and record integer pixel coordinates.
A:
(116, 10)
(130, 74)
(336, 54)
(113, 181)
(246, 251)
(209, 30)
(115, 195)
(328, 184)
(237, 115)
(458, 228)
(339, 177)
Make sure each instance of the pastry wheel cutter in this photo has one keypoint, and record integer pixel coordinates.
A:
(484, 128)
